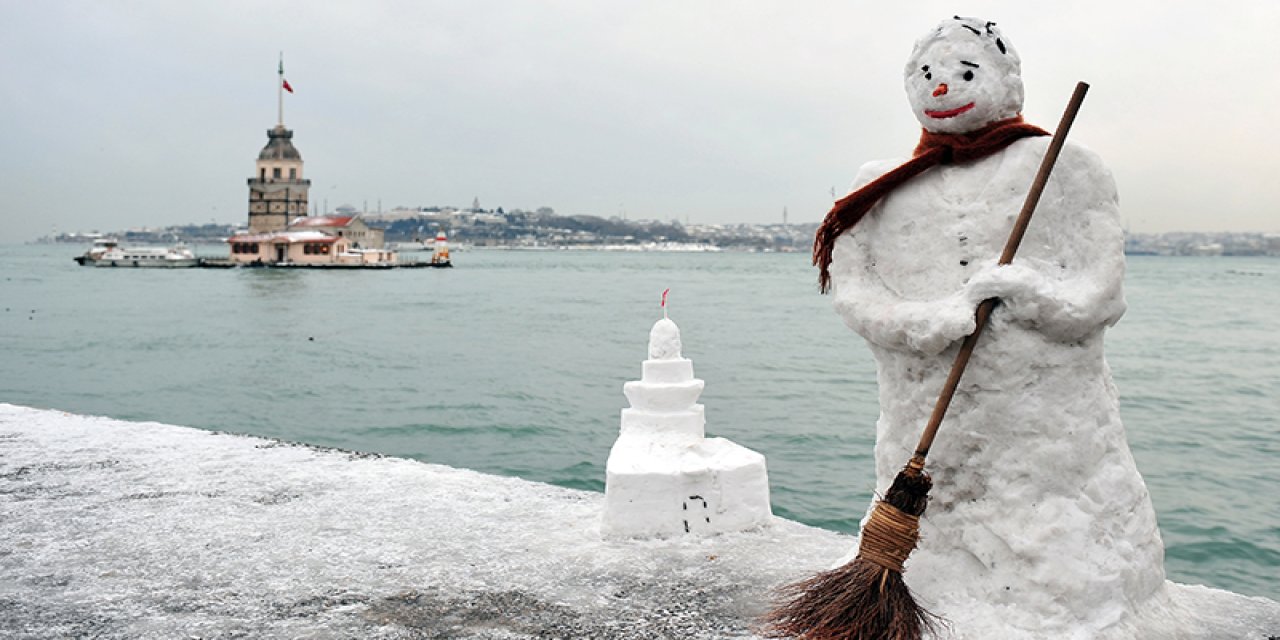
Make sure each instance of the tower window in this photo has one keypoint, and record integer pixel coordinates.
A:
(293, 173)
(262, 173)
(275, 173)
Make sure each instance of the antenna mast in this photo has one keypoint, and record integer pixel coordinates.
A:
(280, 92)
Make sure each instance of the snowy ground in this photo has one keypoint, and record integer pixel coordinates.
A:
(112, 529)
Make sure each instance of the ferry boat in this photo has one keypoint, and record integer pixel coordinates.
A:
(110, 254)
(100, 246)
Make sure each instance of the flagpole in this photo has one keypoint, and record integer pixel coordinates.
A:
(280, 91)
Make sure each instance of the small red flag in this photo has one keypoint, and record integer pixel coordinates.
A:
(286, 85)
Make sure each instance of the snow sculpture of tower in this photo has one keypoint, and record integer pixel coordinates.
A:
(664, 477)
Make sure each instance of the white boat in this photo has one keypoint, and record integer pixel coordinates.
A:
(178, 256)
(100, 246)
(408, 247)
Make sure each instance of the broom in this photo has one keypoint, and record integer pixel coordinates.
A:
(867, 598)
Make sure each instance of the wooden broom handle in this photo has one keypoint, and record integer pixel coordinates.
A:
(1010, 248)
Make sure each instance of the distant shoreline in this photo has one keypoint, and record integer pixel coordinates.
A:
(547, 231)
(498, 228)
(1200, 251)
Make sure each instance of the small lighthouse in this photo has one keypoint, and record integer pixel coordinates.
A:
(440, 249)
(664, 476)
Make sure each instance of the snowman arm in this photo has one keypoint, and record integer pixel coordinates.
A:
(882, 316)
(877, 312)
(1073, 285)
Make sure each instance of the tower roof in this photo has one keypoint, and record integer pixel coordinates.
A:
(280, 145)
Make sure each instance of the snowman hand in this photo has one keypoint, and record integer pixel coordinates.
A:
(1024, 292)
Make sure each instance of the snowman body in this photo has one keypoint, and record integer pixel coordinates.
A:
(1039, 522)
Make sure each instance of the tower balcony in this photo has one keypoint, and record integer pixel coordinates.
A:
(262, 183)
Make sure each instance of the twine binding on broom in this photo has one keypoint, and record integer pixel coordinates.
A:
(889, 536)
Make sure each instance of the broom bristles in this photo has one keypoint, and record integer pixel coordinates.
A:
(867, 598)
(858, 601)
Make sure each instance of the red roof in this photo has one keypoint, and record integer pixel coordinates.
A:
(322, 221)
(285, 237)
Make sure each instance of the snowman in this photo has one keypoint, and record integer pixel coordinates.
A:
(1039, 524)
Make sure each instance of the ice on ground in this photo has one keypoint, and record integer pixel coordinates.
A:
(113, 529)
(124, 530)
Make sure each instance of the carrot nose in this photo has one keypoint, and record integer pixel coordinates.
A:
(941, 90)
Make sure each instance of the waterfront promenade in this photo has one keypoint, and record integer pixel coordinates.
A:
(113, 529)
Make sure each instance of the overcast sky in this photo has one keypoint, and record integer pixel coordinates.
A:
(124, 114)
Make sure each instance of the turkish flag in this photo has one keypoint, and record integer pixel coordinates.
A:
(286, 85)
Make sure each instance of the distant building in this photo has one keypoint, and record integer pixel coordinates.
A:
(307, 247)
(353, 228)
(303, 248)
(280, 231)
(278, 194)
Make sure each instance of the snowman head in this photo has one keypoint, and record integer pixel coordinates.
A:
(962, 76)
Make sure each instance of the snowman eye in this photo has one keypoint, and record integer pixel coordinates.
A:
(927, 75)
(968, 75)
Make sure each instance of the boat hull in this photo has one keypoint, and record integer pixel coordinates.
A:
(130, 263)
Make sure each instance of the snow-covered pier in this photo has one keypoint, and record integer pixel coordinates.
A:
(111, 529)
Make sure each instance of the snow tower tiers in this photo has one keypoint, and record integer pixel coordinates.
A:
(664, 477)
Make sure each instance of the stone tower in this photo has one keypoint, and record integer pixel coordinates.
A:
(278, 194)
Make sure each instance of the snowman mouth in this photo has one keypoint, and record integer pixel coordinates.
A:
(949, 113)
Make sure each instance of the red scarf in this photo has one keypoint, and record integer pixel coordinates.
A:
(934, 149)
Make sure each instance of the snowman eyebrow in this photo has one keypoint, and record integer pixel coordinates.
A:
(969, 64)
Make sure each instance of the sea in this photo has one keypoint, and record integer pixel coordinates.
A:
(513, 363)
